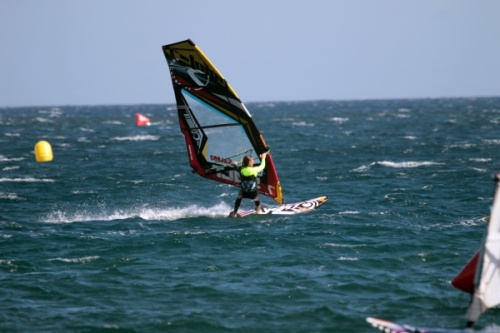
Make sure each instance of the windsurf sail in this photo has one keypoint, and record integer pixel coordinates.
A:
(216, 125)
(487, 278)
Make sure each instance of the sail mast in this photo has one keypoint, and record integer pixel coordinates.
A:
(487, 285)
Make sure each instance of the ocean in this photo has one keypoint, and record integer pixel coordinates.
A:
(116, 234)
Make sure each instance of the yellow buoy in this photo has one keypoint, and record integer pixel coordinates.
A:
(43, 152)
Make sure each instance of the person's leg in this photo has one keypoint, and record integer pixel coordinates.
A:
(237, 204)
(258, 208)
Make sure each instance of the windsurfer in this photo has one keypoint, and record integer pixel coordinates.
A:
(248, 184)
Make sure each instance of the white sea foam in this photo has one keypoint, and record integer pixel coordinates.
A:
(302, 123)
(361, 168)
(339, 120)
(344, 245)
(464, 145)
(11, 159)
(168, 214)
(349, 212)
(43, 120)
(11, 168)
(480, 159)
(474, 221)
(27, 180)
(347, 259)
(398, 165)
(408, 164)
(137, 138)
(492, 141)
(10, 196)
(76, 260)
(113, 122)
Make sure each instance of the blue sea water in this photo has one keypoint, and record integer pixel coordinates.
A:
(117, 235)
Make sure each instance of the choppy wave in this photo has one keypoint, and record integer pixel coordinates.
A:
(112, 233)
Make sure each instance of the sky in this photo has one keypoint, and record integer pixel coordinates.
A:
(108, 52)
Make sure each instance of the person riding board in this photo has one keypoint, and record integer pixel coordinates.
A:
(248, 185)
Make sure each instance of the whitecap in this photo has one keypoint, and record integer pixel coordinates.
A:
(407, 164)
(43, 120)
(10, 196)
(27, 180)
(474, 221)
(349, 212)
(76, 260)
(492, 141)
(11, 168)
(339, 120)
(480, 159)
(302, 123)
(113, 122)
(12, 159)
(137, 138)
(344, 245)
(361, 168)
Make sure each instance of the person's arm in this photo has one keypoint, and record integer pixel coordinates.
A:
(262, 165)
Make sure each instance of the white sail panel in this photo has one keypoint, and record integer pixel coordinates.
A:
(226, 140)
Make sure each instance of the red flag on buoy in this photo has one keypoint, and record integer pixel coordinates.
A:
(141, 120)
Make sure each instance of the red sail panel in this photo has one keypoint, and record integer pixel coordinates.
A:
(465, 279)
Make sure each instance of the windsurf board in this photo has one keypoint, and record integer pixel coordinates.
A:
(289, 209)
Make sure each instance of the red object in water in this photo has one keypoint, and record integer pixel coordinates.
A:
(465, 279)
(141, 120)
